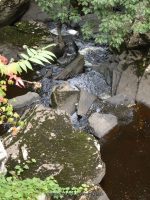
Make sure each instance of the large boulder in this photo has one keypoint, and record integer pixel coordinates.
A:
(11, 10)
(72, 157)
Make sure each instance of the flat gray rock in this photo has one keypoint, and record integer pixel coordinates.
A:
(85, 102)
(24, 100)
(102, 123)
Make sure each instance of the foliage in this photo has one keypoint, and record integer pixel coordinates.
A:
(30, 189)
(118, 19)
(9, 72)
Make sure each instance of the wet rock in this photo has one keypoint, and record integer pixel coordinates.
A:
(65, 97)
(11, 10)
(70, 52)
(3, 159)
(72, 157)
(128, 83)
(143, 93)
(102, 123)
(93, 55)
(74, 68)
(24, 100)
(85, 102)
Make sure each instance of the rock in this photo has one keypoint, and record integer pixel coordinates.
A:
(72, 157)
(128, 83)
(102, 123)
(35, 13)
(9, 51)
(96, 194)
(74, 68)
(65, 97)
(26, 33)
(121, 106)
(121, 99)
(12, 10)
(93, 55)
(139, 40)
(143, 93)
(116, 75)
(3, 159)
(70, 52)
(85, 102)
(24, 100)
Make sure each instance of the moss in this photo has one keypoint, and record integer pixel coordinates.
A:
(75, 152)
(23, 33)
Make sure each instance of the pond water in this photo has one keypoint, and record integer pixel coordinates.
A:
(127, 158)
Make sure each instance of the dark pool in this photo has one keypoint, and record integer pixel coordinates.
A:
(127, 158)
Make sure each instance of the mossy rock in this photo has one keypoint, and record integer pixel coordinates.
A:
(25, 33)
(72, 157)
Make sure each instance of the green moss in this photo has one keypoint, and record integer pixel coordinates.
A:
(23, 33)
(73, 152)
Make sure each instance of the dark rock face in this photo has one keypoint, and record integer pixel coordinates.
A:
(72, 157)
(11, 10)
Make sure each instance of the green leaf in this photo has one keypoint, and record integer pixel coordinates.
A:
(48, 53)
(37, 61)
(24, 56)
(30, 53)
(42, 58)
(22, 65)
(29, 66)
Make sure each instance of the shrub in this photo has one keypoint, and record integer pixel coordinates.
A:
(118, 19)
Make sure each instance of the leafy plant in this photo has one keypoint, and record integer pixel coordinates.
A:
(30, 189)
(9, 72)
(117, 19)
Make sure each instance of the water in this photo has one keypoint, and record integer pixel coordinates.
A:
(127, 158)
